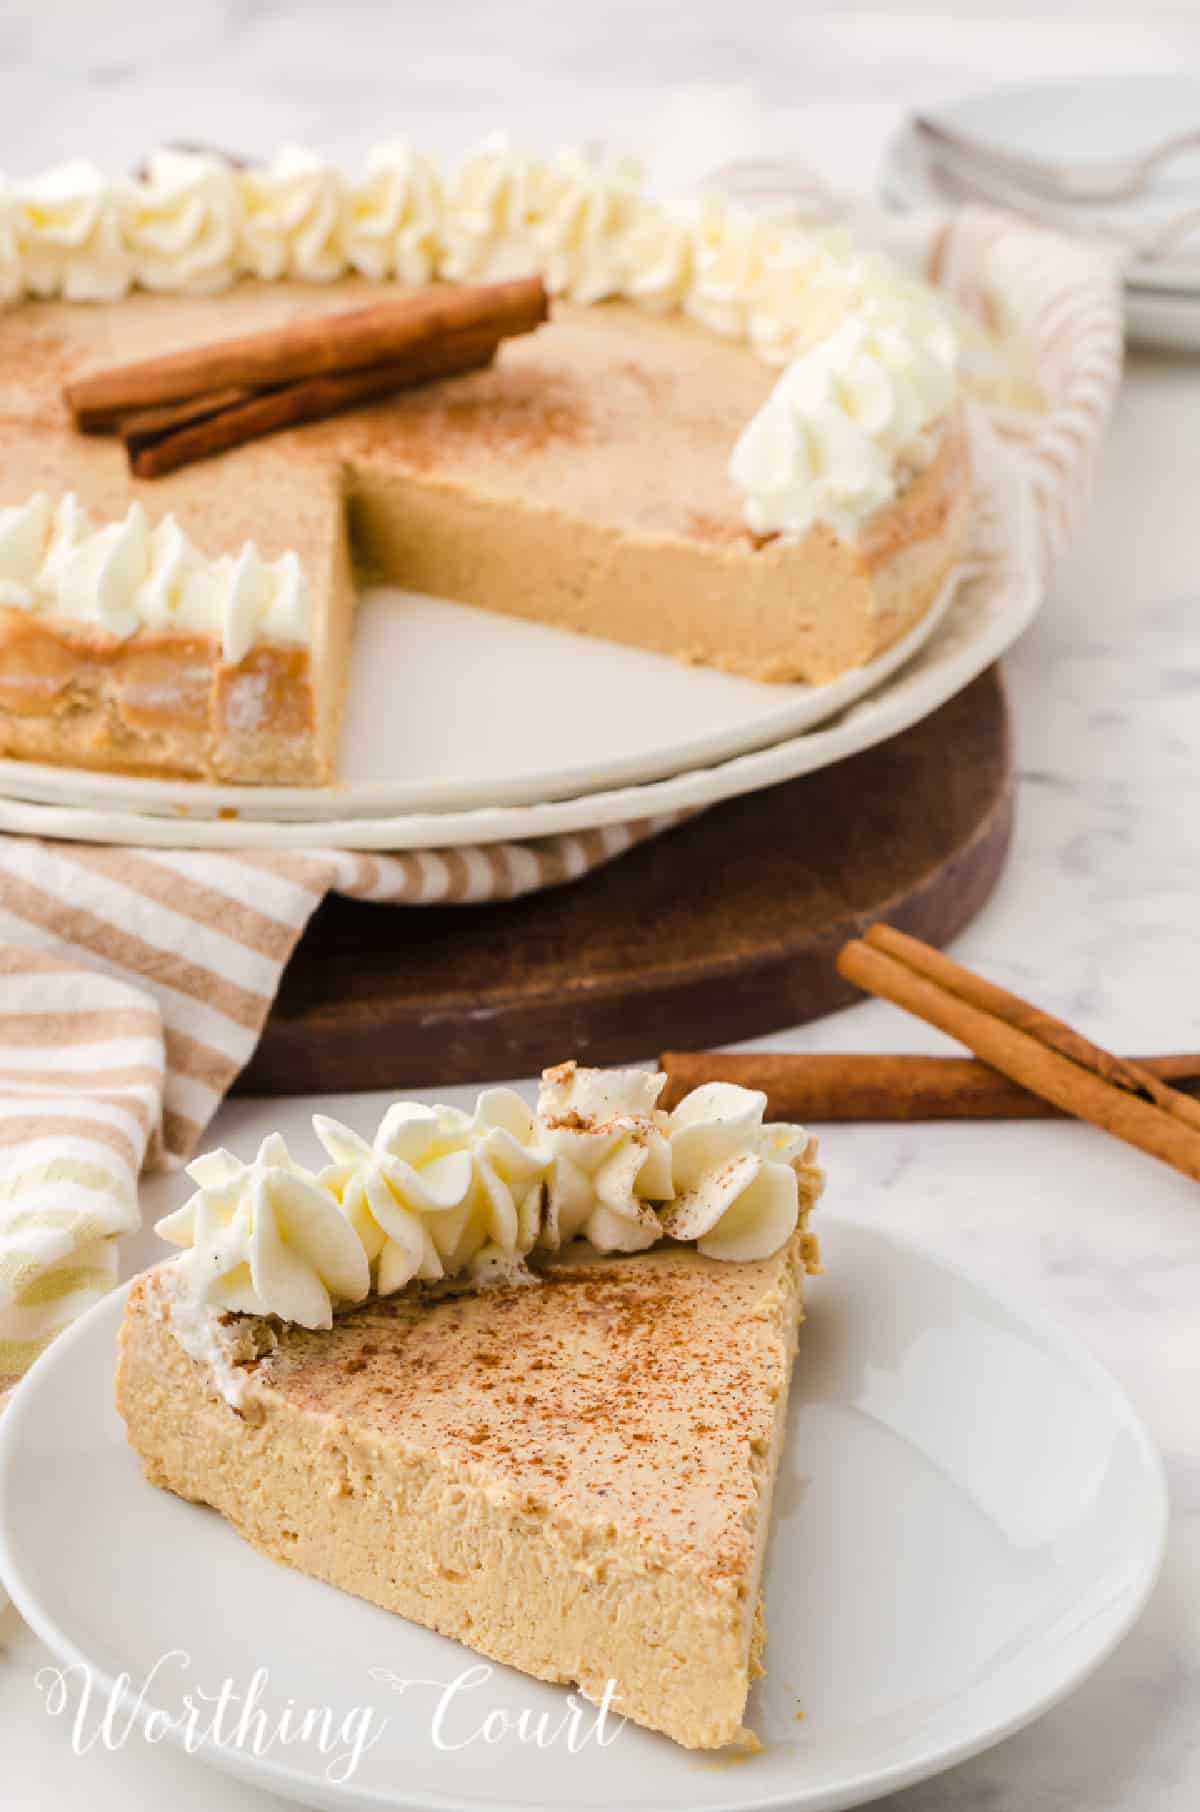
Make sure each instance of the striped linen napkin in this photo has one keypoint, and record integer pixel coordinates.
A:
(134, 983)
(81, 1086)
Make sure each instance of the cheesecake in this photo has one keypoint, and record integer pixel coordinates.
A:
(637, 470)
(556, 1444)
(572, 1478)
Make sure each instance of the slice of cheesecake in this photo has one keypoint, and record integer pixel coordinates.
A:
(165, 701)
(572, 1477)
(169, 702)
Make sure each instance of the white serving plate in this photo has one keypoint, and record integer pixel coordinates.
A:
(986, 615)
(1092, 117)
(969, 1516)
(452, 708)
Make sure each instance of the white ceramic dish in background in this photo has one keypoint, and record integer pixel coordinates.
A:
(452, 708)
(1164, 318)
(1104, 117)
(969, 1517)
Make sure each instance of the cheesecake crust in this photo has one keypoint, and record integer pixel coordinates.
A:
(572, 1478)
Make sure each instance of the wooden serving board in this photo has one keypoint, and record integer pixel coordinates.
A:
(720, 930)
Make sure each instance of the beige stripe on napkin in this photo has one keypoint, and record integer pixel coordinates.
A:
(81, 1082)
(202, 938)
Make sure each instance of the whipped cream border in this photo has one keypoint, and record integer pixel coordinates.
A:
(836, 440)
(125, 575)
(444, 1198)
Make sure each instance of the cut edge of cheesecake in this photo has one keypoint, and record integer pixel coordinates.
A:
(768, 609)
(167, 704)
(621, 1497)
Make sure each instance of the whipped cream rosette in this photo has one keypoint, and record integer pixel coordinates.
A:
(171, 578)
(844, 423)
(292, 212)
(737, 1190)
(393, 215)
(100, 573)
(739, 1185)
(266, 1239)
(180, 222)
(611, 1160)
(68, 232)
(659, 255)
(711, 1172)
(249, 599)
(802, 293)
(494, 205)
(25, 536)
(731, 249)
(590, 208)
(438, 1190)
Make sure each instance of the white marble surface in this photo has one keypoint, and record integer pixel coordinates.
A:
(1096, 916)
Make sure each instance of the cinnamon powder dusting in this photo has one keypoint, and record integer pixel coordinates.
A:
(721, 531)
(640, 1391)
(519, 411)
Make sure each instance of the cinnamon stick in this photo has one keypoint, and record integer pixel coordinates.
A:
(822, 1087)
(310, 348)
(142, 426)
(1013, 1040)
(1123, 1072)
(175, 440)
